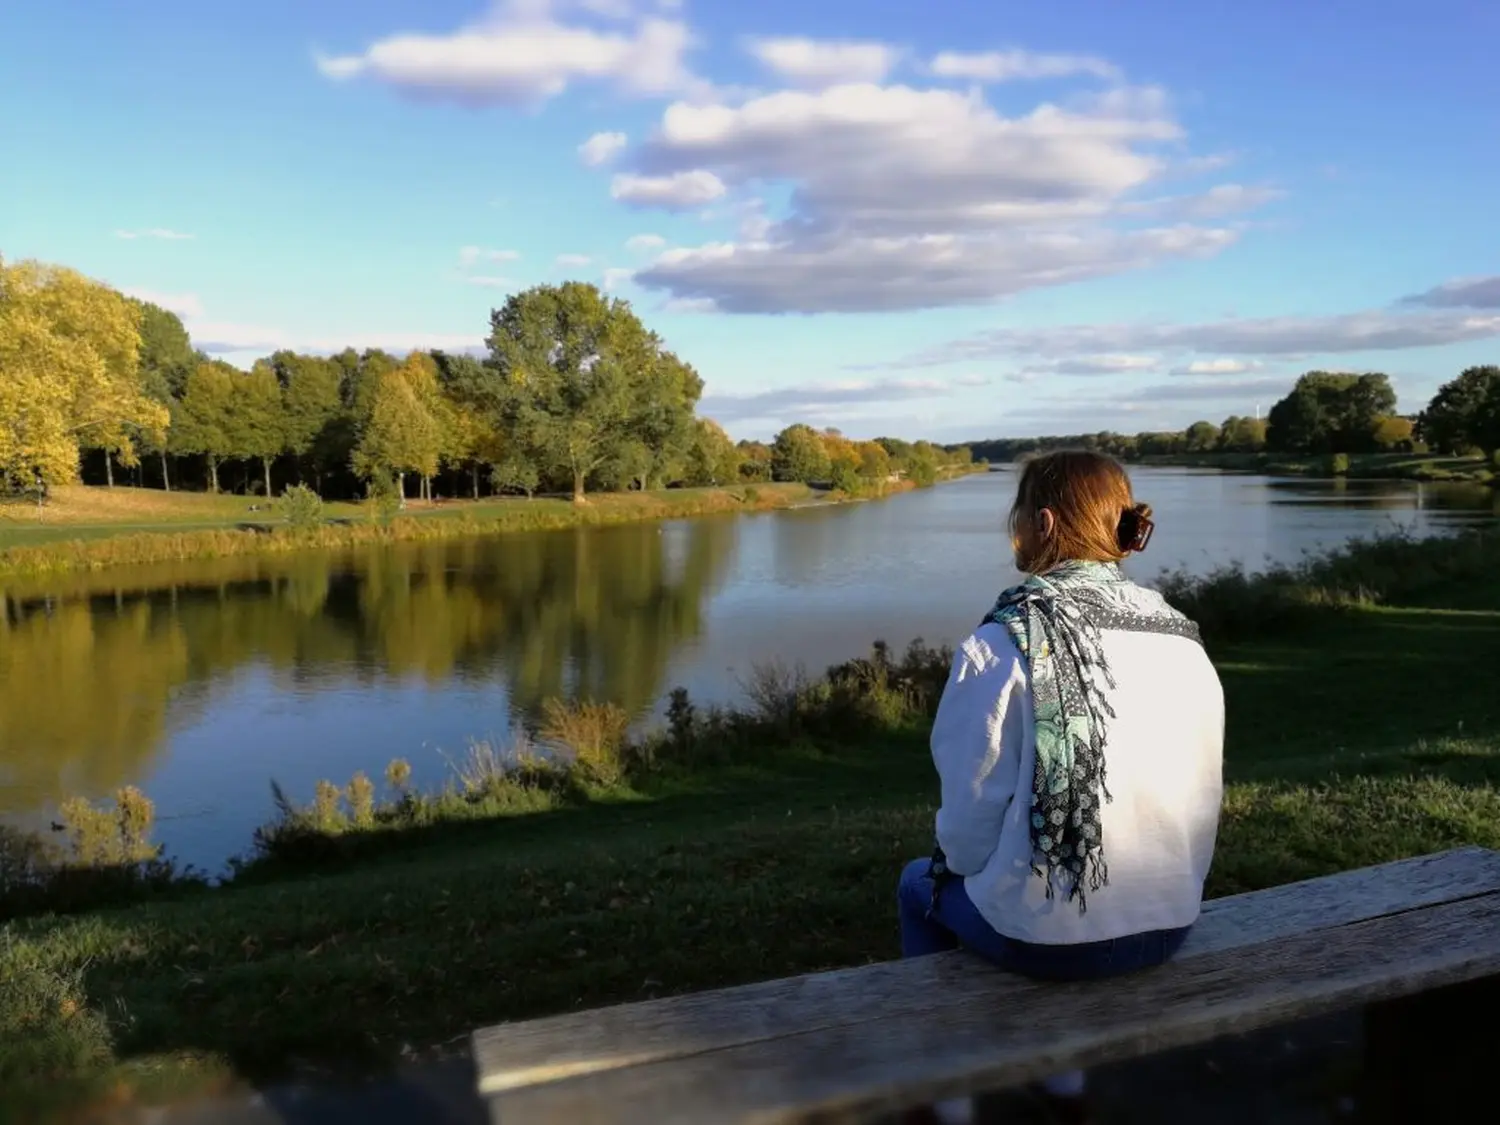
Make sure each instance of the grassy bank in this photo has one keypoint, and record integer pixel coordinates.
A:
(1360, 466)
(729, 847)
(63, 546)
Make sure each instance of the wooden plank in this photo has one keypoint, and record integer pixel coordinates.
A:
(956, 1047)
(513, 1055)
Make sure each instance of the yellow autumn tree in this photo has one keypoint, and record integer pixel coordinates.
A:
(69, 373)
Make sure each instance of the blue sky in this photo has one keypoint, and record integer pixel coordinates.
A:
(954, 220)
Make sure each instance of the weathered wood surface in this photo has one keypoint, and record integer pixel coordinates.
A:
(957, 1047)
(522, 1054)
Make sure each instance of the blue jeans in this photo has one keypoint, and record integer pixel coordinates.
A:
(955, 922)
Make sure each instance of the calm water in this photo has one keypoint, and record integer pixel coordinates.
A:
(201, 682)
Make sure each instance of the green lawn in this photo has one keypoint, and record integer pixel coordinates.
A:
(1372, 735)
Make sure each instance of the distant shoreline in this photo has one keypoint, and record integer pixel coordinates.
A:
(1360, 466)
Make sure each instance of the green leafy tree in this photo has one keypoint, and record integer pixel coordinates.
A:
(1202, 437)
(576, 370)
(874, 461)
(798, 454)
(203, 422)
(257, 420)
(1242, 435)
(517, 473)
(922, 465)
(1465, 413)
(471, 389)
(713, 460)
(313, 412)
(167, 359)
(402, 435)
(1330, 412)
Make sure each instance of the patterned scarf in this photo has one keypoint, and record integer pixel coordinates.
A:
(1055, 620)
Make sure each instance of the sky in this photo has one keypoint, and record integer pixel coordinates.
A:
(953, 220)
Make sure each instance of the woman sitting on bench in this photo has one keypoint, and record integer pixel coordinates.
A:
(1079, 749)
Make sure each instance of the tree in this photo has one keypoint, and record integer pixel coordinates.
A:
(1330, 412)
(922, 464)
(1242, 435)
(755, 461)
(167, 359)
(203, 421)
(312, 411)
(257, 419)
(874, 461)
(714, 459)
(798, 454)
(1202, 437)
(69, 373)
(576, 371)
(1465, 413)
(402, 435)
(1392, 433)
(470, 388)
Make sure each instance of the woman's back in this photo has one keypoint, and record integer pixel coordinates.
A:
(1163, 779)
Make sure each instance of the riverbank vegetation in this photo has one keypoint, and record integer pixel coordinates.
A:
(583, 866)
(1329, 424)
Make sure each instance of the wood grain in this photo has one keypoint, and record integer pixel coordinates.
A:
(515, 1055)
(954, 1047)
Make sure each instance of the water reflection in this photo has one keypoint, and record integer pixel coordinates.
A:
(201, 681)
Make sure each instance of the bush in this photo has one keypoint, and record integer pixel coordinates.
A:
(302, 508)
(1231, 602)
(1339, 464)
(593, 733)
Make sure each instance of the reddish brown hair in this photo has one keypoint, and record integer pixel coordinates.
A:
(1094, 515)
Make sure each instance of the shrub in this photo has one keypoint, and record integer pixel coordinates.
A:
(594, 733)
(49, 1036)
(398, 775)
(361, 796)
(1339, 464)
(302, 508)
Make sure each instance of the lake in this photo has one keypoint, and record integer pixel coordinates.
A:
(200, 682)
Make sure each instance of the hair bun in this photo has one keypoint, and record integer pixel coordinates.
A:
(1135, 528)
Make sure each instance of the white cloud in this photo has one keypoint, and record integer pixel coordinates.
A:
(1115, 364)
(615, 276)
(691, 305)
(823, 62)
(1461, 293)
(903, 198)
(601, 148)
(677, 191)
(154, 232)
(1222, 366)
(641, 243)
(489, 281)
(572, 261)
(1290, 336)
(473, 255)
(185, 305)
(522, 54)
(1014, 64)
(817, 401)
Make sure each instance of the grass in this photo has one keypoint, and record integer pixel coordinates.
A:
(746, 847)
(221, 527)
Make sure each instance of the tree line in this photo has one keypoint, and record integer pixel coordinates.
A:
(1324, 413)
(573, 394)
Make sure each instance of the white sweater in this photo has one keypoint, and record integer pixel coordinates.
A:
(1163, 758)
